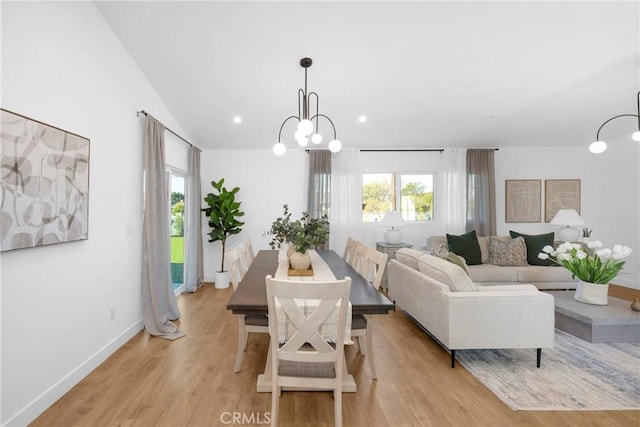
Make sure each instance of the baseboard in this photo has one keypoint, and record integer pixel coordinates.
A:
(55, 392)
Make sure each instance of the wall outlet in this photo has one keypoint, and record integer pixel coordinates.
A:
(112, 312)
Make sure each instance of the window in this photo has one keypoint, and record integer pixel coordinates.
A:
(410, 193)
(177, 201)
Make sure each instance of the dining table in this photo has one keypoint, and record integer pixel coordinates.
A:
(251, 298)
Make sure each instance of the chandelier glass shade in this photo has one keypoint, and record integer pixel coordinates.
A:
(308, 123)
(599, 146)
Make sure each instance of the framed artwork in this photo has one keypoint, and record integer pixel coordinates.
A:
(523, 200)
(44, 182)
(560, 194)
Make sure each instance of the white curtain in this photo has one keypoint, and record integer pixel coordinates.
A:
(159, 305)
(455, 189)
(346, 198)
(194, 267)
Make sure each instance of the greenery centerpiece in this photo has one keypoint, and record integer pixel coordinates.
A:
(223, 212)
(301, 234)
(591, 265)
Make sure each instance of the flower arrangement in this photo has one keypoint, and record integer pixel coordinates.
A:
(302, 233)
(593, 264)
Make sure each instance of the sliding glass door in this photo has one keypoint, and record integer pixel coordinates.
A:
(177, 201)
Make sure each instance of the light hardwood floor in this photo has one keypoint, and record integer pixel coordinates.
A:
(190, 382)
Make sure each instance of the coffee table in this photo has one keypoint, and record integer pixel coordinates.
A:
(611, 323)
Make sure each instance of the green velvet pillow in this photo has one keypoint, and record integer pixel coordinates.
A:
(534, 244)
(466, 246)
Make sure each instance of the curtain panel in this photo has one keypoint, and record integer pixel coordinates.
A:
(194, 270)
(159, 305)
(319, 187)
(481, 192)
(455, 190)
(346, 198)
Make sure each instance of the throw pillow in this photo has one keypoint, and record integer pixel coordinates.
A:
(535, 243)
(444, 253)
(512, 253)
(466, 246)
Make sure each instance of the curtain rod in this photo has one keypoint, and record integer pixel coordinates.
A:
(166, 128)
(440, 150)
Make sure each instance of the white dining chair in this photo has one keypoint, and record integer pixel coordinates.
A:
(359, 258)
(374, 265)
(247, 323)
(249, 248)
(349, 250)
(300, 356)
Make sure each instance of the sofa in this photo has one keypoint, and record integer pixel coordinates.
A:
(461, 315)
(543, 277)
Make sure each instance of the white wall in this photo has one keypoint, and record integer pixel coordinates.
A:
(61, 64)
(266, 183)
(609, 201)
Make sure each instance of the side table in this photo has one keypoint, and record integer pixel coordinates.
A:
(389, 249)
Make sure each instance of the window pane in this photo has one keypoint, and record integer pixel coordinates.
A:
(377, 196)
(177, 230)
(416, 197)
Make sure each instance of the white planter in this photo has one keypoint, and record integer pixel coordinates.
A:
(222, 279)
(592, 293)
(300, 261)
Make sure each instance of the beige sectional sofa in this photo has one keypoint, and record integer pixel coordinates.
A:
(542, 277)
(461, 315)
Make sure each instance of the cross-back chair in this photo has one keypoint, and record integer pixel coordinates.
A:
(300, 355)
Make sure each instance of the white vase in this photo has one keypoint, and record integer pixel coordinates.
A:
(300, 261)
(222, 280)
(592, 293)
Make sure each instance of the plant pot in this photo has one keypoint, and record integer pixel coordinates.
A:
(300, 261)
(592, 293)
(222, 280)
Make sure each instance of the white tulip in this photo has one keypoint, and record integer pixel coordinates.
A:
(564, 256)
(548, 249)
(596, 244)
(620, 252)
(542, 255)
(581, 254)
(604, 253)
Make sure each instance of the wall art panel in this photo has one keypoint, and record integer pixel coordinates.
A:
(44, 182)
(522, 200)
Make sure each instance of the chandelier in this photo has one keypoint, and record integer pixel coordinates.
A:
(599, 146)
(306, 130)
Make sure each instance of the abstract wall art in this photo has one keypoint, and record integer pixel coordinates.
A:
(44, 184)
(560, 194)
(523, 200)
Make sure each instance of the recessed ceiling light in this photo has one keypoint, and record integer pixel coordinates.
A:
(489, 118)
(362, 119)
(237, 119)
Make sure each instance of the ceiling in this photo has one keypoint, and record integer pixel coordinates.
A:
(426, 74)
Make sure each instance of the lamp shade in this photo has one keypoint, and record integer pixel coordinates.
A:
(567, 217)
(392, 219)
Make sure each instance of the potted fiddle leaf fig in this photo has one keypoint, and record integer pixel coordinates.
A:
(222, 212)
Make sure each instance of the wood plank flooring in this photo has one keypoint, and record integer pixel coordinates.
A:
(190, 382)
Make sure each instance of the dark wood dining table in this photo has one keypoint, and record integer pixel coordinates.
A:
(251, 297)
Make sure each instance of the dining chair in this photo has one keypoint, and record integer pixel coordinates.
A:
(374, 266)
(249, 248)
(247, 323)
(349, 250)
(300, 356)
(244, 256)
(359, 258)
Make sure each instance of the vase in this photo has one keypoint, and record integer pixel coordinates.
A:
(592, 293)
(290, 250)
(222, 280)
(300, 261)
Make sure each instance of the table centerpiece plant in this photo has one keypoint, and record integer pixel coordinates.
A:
(594, 266)
(300, 234)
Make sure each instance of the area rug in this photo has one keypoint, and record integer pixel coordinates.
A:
(574, 375)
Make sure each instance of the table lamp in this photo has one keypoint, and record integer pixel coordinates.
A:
(567, 217)
(393, 219)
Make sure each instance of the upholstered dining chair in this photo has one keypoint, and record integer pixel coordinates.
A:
(300, 356)
(374, 264)
(349, 250)
(254, 323)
